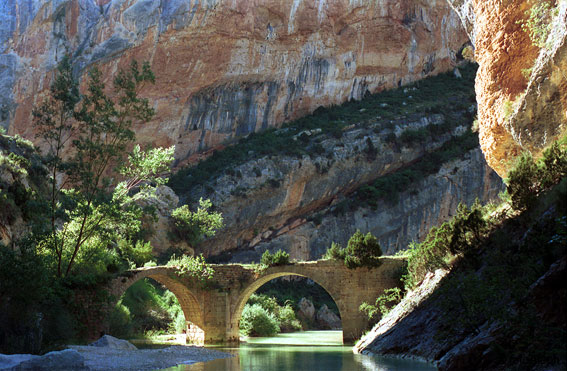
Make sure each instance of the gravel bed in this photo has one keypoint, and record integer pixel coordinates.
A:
(145, 359)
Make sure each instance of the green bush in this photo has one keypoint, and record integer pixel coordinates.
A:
(464, 231)
(287, 320)
(335, 252)
(256, 321)
(528, 178)
(284, 315)
(524, 182)
(384, 303)
(279, 258)
(362, 251)
(269, 303)
(194, 226)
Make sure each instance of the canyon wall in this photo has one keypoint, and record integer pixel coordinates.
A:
(521, 87)
(224, 68)
(417, 209)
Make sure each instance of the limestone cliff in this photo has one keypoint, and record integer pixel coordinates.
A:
(521, 88)
(224, 68)
(320, 186)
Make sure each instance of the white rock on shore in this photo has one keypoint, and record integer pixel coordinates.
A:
(109, 353)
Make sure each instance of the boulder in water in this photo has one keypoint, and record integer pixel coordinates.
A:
(327, 319)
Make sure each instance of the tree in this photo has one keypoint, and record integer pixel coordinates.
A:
(88, 208)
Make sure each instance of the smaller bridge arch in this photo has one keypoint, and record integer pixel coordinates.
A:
(188, 301)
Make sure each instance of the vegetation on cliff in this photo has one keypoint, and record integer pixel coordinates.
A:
(442, 93)
(505, 263)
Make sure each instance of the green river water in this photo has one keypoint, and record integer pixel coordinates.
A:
(309, 350)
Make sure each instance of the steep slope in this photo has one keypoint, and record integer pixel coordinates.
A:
(501, 306)
(224, 68)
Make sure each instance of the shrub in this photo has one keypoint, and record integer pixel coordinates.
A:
(554, 162)
(279, 258)
(538, 24)
(370, 150)
(256, 321)
(527, 179)
(362, 251)
(335, 252)
(287, 320)
(193, 266)
(194, 226)
(523, 182)
(384, 303)
(462, 232)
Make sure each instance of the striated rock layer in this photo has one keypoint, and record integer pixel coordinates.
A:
(395, 224)
(518, 109)
(224, 68)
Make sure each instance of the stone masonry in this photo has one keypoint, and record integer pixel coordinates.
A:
(213, 311)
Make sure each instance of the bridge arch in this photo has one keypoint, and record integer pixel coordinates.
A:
(187, 300)
(255, 285)
(213, 313)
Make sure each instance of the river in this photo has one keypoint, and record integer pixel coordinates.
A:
(308, 350)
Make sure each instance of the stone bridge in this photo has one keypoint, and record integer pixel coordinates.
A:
(213, 311)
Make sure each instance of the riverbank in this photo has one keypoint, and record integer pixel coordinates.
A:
(109, 353)
(145, 359)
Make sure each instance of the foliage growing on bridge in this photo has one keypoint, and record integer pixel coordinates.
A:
(193, 266)
(271, 260)
(361, 251)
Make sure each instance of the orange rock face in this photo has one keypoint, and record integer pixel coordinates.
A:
(516, 111)
(226, 68)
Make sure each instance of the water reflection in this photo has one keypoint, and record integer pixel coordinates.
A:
(276, 354)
